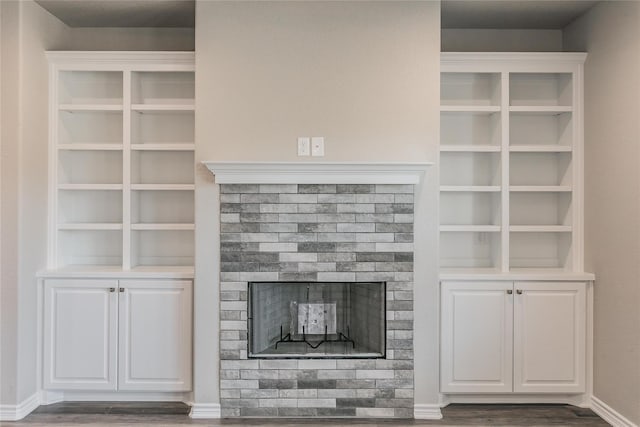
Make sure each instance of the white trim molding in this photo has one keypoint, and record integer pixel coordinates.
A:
(609, 414)
(205, 411)
(21, 410)
(317, 172)
(427, 412)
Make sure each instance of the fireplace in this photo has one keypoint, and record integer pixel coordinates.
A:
(317, 320)
(316, 241)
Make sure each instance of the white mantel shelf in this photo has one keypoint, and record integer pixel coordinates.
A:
(317, 172)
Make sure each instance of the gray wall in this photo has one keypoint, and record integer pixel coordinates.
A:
(27, 31)
(610, 32)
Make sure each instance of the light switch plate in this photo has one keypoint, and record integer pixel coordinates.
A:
(304, 146)
(317, 146)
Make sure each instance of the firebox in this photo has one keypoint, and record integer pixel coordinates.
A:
(317, 319)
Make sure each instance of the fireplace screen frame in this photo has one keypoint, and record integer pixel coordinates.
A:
(340, 337)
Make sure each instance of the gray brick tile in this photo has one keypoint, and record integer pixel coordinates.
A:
(316, 228)
(230, 394)
(276, 384)
(336, 412)
(317, 266)
(230, 237)
(278, 364)
(355, 266)
(260, 237)
(403, 218)
(337, 257)
(297, 412)
(298, 394)
(237, 247)
(403, 198)
(364, 227)
(278, 188)
(298, 198)
(242, 384)
(336, 237)
(336, 276)
(317, 247)
(337, 393)
(316, 188)
(337, 218)
(403, 237)
(259, 198)
(355, 188)
(317, 384)
(239, 188)
(374, 257)
(229, 198)
(229, 217)
(258, 412)
(230, 227)
(298, 277)
(298, 257)
(316, 403)
(297, 218)
(336, 198)
(278, 247)
(358, 208)
(374, 217)
(355, 402)
(355, 383)
(355, 247)
(375, 237)
(323, 208)
(278, 208)
(278, 403)
(384, 227)
(278, 227)
(259, 394)
(356, 364)
(298, 237)
(374, 198)
(259, 217)
(394, 247)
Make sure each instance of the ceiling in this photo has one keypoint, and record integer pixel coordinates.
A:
(500, 14)
(123, 13)
(512, 14)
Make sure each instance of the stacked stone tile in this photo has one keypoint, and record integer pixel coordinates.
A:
(289, 232)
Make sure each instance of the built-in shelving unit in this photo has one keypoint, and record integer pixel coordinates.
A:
(511, 162)
(121, 160)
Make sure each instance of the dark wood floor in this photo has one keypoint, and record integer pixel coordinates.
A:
(175, 414)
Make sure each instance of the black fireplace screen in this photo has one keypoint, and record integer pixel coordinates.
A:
(317, 319)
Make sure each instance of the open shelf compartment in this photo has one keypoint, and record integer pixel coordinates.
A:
(162, 248)
(89, 248)
(162, 167)
(90, 88)
(469, 169)
(163, 88)
(470, 89)
(540, 250)
(470, 208)
(470, 249)
(540, 89)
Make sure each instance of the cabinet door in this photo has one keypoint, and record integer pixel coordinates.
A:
(549, 347)
(80, 330)
(155, 335)
(476, 342)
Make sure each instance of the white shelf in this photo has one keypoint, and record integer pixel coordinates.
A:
(163, 227)
(471, 228)
(110, 187)
(163, 147)
(163, 187)
(478, 109)
(163, 107)
(106, 272)
(470, 148)
(515, 274)
(471, 188)
(90, 107)
(91, 147)
(541, 109)
(90, 226)
(540, 148)
(541, 188)
(540, 228)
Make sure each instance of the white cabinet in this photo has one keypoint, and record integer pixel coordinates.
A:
(117, 335)
(154, 336)
(80, 335)
(121, 160)
(511, 162)
(526, 337)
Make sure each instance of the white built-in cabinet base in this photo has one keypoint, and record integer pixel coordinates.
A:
(513, 337)
(117, 335)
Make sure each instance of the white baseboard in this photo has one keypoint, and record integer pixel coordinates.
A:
(609, 414)
(205, 410)
(123, 396)
(427, 412)
(50, 397)
(21, 410)
(579, 400)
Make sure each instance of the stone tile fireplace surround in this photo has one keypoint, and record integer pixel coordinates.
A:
(309, 232)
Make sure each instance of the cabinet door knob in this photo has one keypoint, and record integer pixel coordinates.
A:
(509, 291)
(519, 291)
(121, 289)
(112, 289)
